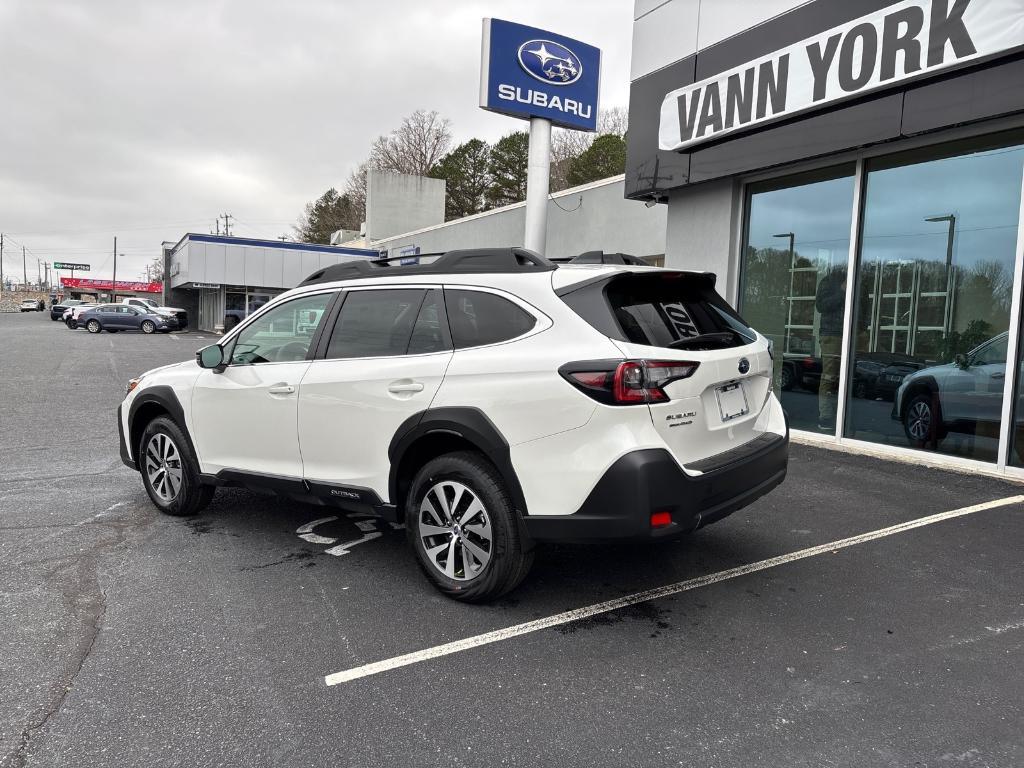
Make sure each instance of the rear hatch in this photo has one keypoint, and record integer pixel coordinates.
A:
(705, 374)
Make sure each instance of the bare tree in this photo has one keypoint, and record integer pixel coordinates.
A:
(415, 147)
(613, 120)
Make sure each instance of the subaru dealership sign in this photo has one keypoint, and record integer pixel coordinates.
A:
(900, 42)
(528, 72)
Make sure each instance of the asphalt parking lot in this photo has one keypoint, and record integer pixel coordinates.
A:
(134, 639)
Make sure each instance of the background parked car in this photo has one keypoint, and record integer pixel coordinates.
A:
(150, 305)
(865, 378)
(963, 396)
(57, 309)
(121, 317)
(29, 305)
(71, 314)
(801, 372)
(891, 376)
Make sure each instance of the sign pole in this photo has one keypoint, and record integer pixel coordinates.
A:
(538, 175)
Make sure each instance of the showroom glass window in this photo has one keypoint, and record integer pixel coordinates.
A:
(793, 284)
(933, 298)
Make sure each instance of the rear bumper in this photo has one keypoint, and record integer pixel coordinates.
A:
(647, 481)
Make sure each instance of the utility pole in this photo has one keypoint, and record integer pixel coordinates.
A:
(227, 224)
(113, 282)
(24, 269)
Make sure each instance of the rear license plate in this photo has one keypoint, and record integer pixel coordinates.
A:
(732, 402)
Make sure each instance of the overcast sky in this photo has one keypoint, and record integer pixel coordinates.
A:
(146, 120)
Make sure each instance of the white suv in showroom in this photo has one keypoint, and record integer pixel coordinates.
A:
(487, 400)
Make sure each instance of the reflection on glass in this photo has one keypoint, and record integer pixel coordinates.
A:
(933, 301)
(794, 287)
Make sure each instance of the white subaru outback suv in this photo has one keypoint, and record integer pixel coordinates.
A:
(487, 400)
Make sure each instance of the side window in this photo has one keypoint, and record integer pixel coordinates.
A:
(427, 335)
(478, 318)
(281, 335)
(375, 323)
(993, 353)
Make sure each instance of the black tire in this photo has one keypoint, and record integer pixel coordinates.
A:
(922, 420)
(71, 324)
(191, 496)
(860, 389)
(510, 548)
(55, 319)
(148, 326)
(93, 326)
(787, 380)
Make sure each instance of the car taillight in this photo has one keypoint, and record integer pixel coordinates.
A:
(627, 382)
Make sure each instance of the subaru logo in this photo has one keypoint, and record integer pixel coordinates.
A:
(744, 365)
(550, 62)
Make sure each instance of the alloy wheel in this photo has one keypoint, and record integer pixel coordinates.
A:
(919, 420)
(455, 530)
(163, 467)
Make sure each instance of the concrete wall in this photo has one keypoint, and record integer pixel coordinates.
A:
(703, 231)
(586, 218)
(397, 203)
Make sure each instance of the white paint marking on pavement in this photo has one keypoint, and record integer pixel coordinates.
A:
(651, 594)
(343, 549)
(115, 506)
(306, 531)
(1006, 627)
(172, 336)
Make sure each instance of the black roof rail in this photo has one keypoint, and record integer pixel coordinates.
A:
(600, 257)
(473, 260)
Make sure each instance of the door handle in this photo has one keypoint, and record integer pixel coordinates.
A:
(405, 386)
(281, 389)
(999, 375)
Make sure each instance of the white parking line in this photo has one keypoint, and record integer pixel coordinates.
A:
(651, 594)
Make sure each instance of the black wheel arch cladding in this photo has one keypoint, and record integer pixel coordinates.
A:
(166, 399)
(469, 424)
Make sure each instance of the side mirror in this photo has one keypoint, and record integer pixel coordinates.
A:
(961, 362)
(211, 357)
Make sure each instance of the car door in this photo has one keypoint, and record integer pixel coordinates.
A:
(973, 393)
(244, 418)
(382, 363)
(112, 318)
(130, 317)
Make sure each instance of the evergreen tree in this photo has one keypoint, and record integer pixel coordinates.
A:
(467, 178)
(324, 216)
(605, 157)
(508, 169)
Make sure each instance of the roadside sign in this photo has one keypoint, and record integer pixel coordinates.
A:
(409, 255)
(75, 267)
(528, 72)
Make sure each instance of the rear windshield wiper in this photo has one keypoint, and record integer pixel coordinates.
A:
(706, 340)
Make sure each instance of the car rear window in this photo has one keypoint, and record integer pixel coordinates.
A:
(477, 318)
(661, 309)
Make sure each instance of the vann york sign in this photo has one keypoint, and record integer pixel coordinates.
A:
(905, 41)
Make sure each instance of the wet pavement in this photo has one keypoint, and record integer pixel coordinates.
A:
(132, 638)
